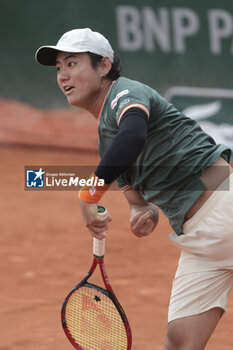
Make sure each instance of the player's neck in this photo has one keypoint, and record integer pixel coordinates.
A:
(98, 101)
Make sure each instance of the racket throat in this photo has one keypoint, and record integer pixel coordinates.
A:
(104, 274)
(98, 257)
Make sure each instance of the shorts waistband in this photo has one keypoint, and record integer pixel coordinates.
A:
(219, 194)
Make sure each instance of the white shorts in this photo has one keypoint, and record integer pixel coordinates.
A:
(204, 275)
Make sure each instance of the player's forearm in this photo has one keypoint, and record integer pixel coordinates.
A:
(137, 203)
(134, 197)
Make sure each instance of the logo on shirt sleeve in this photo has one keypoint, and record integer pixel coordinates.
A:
(120, 94)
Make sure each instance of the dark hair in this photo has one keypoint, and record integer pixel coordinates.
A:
(115, 71)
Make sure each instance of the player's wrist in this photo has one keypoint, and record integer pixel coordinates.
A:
(94, 190)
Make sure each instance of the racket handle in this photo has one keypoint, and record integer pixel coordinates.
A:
(99, 244)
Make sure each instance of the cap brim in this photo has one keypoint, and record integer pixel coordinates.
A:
(46, 55)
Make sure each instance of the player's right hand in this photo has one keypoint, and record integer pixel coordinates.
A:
(96, 224)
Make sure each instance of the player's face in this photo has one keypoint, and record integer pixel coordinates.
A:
(77, 79)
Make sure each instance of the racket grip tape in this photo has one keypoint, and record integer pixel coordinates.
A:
(99, 244)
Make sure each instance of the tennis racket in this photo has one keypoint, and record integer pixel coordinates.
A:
(92, 317)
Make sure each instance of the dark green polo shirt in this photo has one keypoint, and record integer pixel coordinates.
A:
(177, 150)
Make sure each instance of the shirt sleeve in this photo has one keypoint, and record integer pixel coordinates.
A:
(133, 97)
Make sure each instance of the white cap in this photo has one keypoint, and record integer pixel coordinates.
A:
(76, 40)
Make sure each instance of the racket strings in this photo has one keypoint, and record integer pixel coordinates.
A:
(94, 322)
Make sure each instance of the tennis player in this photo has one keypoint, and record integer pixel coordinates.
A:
(160, 158)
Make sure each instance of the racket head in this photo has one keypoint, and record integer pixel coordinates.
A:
(92, 318)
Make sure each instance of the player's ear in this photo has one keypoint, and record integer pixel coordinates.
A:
(105, 66)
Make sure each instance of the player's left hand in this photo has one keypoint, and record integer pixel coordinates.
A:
(143, 219)
(97, 224)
